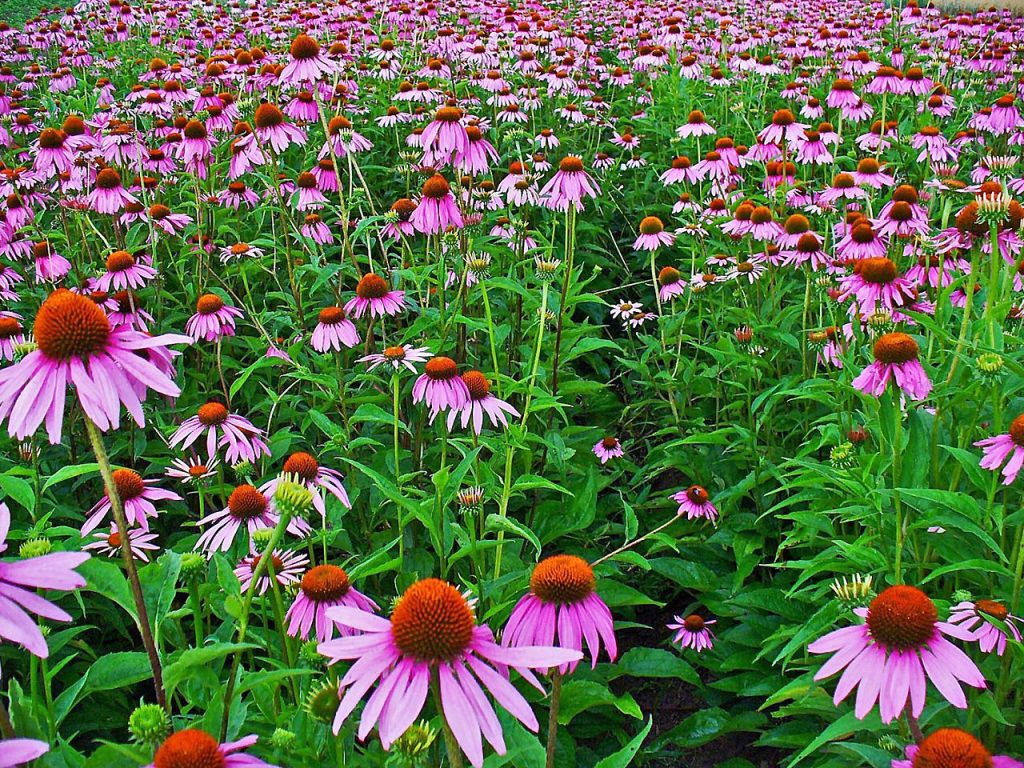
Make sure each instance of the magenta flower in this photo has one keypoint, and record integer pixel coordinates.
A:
(445, 139)
(246, 506)
(783, 128)
(213, 319)
(568, 186)
(305, 469)
(109, 544)
(876, 284)
(374, 294)
(480, 402)
(996, 449)
(76, 345)
(223, 428)
(306, 65)
(433, 632)
(287, 567)
(14, 752)
(608, 448)
(892, 656)
(271, 129)
(193, 747)
(437, 209)
(440, 386)
(19, 581)
(952, 748)
(896, 359)
(652, 235)
(397, 357)
(137, 496)
(670, 284)
(989, 621)
(695, 502)
(324, 587)
(692, 632)
(108, 196)
(562, 609)
(333, 331)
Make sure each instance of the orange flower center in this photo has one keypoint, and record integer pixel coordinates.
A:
(796, 224)
(325, 583)
(868, 165)
(880, 270)
(441, 368)
(895, 348)
(697, 494)
(129, 484)
(992, 608)
(951, 748)
(302, 464)
(114, 540)
(476, 383)
(693, 623)
(668, 276)
(209, 303)
(761, 215)
(211, 414)
(119, 261)
(609, 442)
(901, 211)
(783, 117)
(902, 618)
(246, 502)
(304, 47)
(189, 749)
(436, 187)
(905, 193)
(331, 315)
(194, 130)
(372, 286)
(808, 243)
(108, 178)
(1017, 430)
(51, 138)
(69, 325)
(432, 622)
(9, 327)
(448, 115)
(268, 116)
(570, 165)
(651, 225)
(562, 579)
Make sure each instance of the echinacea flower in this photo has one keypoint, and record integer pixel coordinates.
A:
(568, 186)
(896, 359)
(695, 502)
(304, 468)
(246, 506)
(996, 449)
(286, 566)
(608, 448)
(432, 633)
(440, 386)
(77, 345)
(137, 497)
(124, 271)
(193, 470)
(670, 284)
(397, 357)
(692, 632)
(213, 319)
(989, 620)
(192, 748)
(224, 429)
(109, 544)
(333, 331)
(306, 65)
(324, 587)
(108, 196)
(892, 656)
(437, 209)
(562, 609)
(373, 294)
(481, 401)
(652, 235)
(952, 748)
(19, 581)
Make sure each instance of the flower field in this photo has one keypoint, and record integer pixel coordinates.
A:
(531, 384)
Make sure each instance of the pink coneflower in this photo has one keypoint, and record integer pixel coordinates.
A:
(246, 506)
(287, 567)
(440, 386)
(213, 319)
(237, 251)
(895, 358)
(876, 284)
(76, 344)
(306, 65)
(763, 226)
(304, 468)
(445, 139)
(899, 220)
(861, 243)
(844, 187)
(52, 155)
(237, 195)
(681, 171)
(273, 130)
(870, 173)
(398, 356)
(568, 186)
(670, 284)
(324, 587)
(433, 633)
(783, 128)
(479, 154)
(952, 748)
(192, 748)
(124, 271)
(887, 80)
(989, 621)
(192, 471)
(333, 330)
(652, 235)
(109, 544)
(398, 222)
(997, 448)
(137, 497)
(695, 502)
(608, 448)
(934, 146)
(108, 196)
(15, 752)
(695, 125)
(481, 401)
(373, 294)
(692, 632)
(562, 609)
(19, 580)
(309, 197)
(50, 266)
(12, 335)
(223, 428)
(437, 209)
(170, 223)
(895, 652)
(1004, 117)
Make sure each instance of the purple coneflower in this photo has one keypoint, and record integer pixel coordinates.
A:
(952, 748)
(692, 632)
(333, 331)
(213, 319)
(324, 587)
(652, 235)
(108, 196)
(124, 271)
(191, 748)
(305, 469)
(246, 506)
(695, 502)
(437, 209)
(568, 186)
(608, 448)
(374, 294)
(15, 752)
(222, 428)
(137, 497)
(996, 449)
(306, 65)
(287, 567)
(440, 386)
(989, 621)
(397, 357)
(895, 358)
(139, 540)
(481, 401)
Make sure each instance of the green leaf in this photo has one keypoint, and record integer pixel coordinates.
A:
(656, 663)
(106, 578)
(18, 490)
(496, 522)
(625, 756)
(178, 671)
(581, 695)
(72, 471)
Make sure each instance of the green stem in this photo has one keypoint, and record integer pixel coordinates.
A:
(490, 335)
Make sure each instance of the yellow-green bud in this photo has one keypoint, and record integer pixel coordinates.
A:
(35, 548)
(149, 724)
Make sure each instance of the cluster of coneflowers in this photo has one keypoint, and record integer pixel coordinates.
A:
(509, 130)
